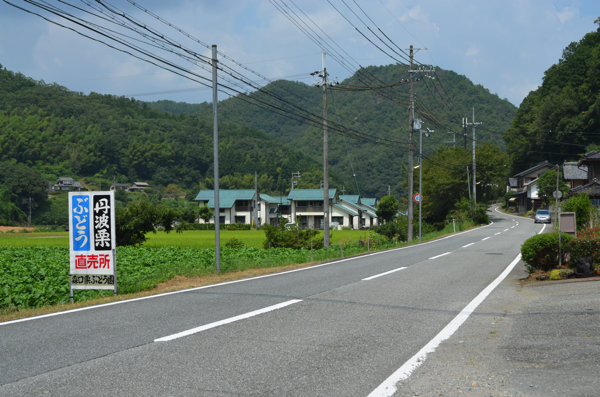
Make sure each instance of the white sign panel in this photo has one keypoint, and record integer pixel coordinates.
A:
(92, 240)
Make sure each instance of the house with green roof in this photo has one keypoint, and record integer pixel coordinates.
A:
(234, 205)
(307, 204)
(273, 208)
(367, 217)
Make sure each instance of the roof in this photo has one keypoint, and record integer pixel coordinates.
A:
(273, 200)
(141, 184)
(592, 188)
(65, 178)
(572, 171)
(369, 201)
(341, 207)
(513, 182)
(369, 207)
(310, 194)
(354, 199)
(534, 168)
(372, 215)
(531, 182)
(227, 198)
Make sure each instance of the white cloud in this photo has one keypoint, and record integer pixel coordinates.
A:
(566, 14)
(473, 50)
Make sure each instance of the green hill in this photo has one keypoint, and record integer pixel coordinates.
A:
(375, 166)
(561, 119)
(63, 133)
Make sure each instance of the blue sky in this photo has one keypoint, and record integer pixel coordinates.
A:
(503, 45)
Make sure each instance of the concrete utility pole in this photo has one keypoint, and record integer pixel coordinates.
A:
(216, 162)
(256, 200)
(465, 132)
(325, 161)
(411, 117)
(323, 73)
(295, 175)
(474, 167)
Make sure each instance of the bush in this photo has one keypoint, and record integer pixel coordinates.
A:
(235, 243)
(582, 247)
(540, 252)
(559, 274)
(292, 236)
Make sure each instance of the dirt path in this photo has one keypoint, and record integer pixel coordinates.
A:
(4, 229)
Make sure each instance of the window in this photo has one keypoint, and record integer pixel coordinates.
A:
(240, 219)
(222, 219)
(338, 219)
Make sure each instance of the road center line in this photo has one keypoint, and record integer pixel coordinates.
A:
(468, 245)
(388, 387)
(506, 230)
(512, 227)
(227, 321)
(435, 257)
(383, 274)
(485, 238)
(497, 233)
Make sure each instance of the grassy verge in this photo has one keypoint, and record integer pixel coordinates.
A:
(34, 280)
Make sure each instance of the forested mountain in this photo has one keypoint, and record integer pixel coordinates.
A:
(375, 166)
(64, 133)
(561, 119)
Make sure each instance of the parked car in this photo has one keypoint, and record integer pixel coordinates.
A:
(542, 216)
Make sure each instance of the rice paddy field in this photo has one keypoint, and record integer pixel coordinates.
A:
(187, 239)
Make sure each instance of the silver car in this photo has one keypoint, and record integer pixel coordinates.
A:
(542, 216)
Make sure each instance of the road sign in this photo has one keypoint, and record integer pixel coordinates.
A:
(557, 194)
(92, 240)
(418, 198)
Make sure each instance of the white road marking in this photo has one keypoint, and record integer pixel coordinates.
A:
(383, 274)
(542, 229)
(512, 227)
(483, 239)
(227, 321)
(333, 262)
(388, 387)
(506, 230)
(497, 233)
(468, 245)
(435, 257)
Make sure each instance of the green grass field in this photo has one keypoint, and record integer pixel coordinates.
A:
(189, 238)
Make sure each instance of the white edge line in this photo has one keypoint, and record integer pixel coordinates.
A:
(468, 245)
(231, 282)
(437, 256)
(383, 274)
(227, 321)
(388, 387)
(542, 229)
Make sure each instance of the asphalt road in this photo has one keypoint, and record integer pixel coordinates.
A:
(337, 332)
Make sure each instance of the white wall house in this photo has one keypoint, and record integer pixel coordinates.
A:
(235, 205)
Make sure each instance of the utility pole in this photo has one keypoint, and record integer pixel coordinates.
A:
(464, 121)
(324, 83)
(295, 175)
(256, 200)
(453, 141)
(411, 117)
(474, 167)
(216, 162)
(427, 134)
(29, 223)
(343, 190)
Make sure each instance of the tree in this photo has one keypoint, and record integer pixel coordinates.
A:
(10, 214)
(205, 214)
(445, 178)
(25, 183)
(387, 208)
(139, 218)
(546, 185)
(121, 195)
(582, 206)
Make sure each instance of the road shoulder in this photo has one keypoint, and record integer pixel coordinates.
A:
(536, 339)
